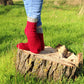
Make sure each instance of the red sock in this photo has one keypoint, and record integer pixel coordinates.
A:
(34, 42)
(40, 36)
(23, 46)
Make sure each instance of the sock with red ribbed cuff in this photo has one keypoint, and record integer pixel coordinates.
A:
(34, 42)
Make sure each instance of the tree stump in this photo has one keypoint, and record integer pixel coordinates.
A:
(51, 63)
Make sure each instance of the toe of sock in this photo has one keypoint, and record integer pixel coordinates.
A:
(23, 46)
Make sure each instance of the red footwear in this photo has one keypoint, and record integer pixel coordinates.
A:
(23, 46)
(34, 42)
(41, 39)
(39, 36)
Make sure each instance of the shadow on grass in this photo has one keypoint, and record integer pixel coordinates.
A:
(4, 9)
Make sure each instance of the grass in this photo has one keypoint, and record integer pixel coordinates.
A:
(61, 24)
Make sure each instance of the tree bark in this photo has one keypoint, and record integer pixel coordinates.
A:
(6, 2)
(51, 63)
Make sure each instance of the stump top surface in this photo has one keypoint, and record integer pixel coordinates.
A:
(47, 50)
(57, 55)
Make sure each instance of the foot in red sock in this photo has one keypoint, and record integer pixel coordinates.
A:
(34, 42)
(40, 37)
(23, 46)
(37, 37)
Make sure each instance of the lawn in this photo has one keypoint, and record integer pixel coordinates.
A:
(61, 25)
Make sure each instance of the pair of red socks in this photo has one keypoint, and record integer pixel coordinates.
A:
(35, 40)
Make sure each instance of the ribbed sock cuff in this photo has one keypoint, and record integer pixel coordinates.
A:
(31, 19)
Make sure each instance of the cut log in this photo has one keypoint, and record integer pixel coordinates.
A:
(51, 63)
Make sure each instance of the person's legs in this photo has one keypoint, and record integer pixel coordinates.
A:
(33, 10)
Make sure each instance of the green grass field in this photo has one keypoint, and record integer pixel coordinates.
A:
(61, 25)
